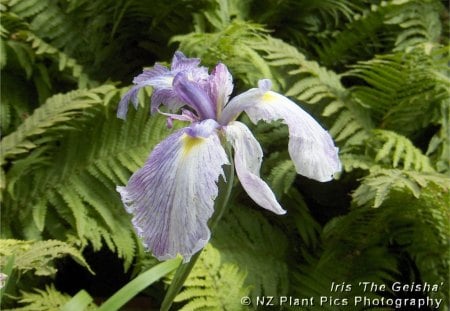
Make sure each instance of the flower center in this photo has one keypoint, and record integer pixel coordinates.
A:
(268, 97)
(190, 142)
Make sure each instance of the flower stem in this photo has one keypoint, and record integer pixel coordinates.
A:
(183, 271)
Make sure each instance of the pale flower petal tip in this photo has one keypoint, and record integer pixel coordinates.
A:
(181, 62)
(248, 158)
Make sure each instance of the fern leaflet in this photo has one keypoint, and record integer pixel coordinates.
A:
(213, 285)
(38, 255)
(378, 185)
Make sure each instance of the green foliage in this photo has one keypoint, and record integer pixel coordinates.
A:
(376, 187)
(38, 255)
(48, 299)
(404, 92)
(360, 38)
(419, 20)
(56, 111)
(282, 177)
(438, 148)
(247, 239)
(374, 73)
(394, 150)
(373, 245)
(213, 285)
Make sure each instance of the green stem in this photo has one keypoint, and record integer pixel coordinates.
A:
(126, 293)
(221, 203)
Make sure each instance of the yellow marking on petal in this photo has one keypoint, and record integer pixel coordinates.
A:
(268, 97)
(190, 142)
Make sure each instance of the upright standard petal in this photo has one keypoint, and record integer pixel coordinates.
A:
(310, 146)
(220, 87)
(161, 79)
(195, 96)
(172, 196)
(248, 157)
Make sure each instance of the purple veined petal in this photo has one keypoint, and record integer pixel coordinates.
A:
(181, 62)
(158, 76)
(172, 196)
(131, 95)
(195, 95)
(220, 87)
(248, 157)
(311, 147)
(158, 70)
(185, 115)
(167, 97)
(161, 79)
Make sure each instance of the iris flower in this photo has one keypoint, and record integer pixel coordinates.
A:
(172, 196)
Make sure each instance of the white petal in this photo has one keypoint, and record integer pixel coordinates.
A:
(310, 146)
(172, 196)
(248, 158)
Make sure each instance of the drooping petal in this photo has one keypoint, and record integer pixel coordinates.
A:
(310, 146)
(172, 196)
(248, 158)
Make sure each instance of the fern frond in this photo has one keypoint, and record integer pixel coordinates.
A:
(48, 299)
(369, 244)
(27, 8)
(404, 91)
(360, 38)
(38, 255)
(397, 151)
(419, 21)
(378, 185)
(55, 111)
(282, 177)
(231, 45)
(64, 61)
(422, 227)
(41, 300)
(327, 83)
(220, 13)
(439, 145)
(404, 223)
(213, 285)
(351, 161)
(245, 238)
